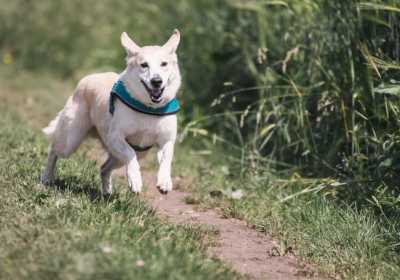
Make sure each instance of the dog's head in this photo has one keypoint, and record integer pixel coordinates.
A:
(152, 72)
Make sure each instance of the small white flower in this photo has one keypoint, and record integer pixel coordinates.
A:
(106, 249)
(238, 194)
(225, 170)
(140, 263)
(60, 202)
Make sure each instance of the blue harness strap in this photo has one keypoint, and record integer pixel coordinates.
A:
(119, 91)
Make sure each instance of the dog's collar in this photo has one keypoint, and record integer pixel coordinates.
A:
(119, 91)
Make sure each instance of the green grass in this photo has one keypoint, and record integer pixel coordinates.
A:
(69, 231)
(341, 240)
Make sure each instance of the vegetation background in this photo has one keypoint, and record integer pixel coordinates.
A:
(302, 93)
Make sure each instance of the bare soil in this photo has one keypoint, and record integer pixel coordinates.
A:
(247, 251)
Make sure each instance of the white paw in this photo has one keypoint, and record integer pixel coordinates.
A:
(134, 177)
(135, 182)
(164, 184)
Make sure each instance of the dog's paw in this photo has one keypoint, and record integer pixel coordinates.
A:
(106, 185)
(134, 177)
(107, 190)
(46, 180)
(164, 184)
(135, 184)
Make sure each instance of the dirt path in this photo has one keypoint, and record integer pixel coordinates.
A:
(247, 251)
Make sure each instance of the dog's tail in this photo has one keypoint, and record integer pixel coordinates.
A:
(58, 129)
(50, 130)
(70, 126)
(56, 126)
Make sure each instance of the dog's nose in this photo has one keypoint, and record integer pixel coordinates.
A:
(156, 82)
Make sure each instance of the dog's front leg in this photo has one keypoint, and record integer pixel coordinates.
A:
(121, 150)
(165, 155)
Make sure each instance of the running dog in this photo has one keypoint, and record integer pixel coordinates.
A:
(131, 112)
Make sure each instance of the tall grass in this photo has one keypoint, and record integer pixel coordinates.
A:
(322, 91)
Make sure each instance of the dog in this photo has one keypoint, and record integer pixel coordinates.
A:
(131, 112)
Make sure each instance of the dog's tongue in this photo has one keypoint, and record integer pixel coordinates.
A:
(156, 93)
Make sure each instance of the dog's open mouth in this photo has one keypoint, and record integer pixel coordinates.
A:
(155, 93)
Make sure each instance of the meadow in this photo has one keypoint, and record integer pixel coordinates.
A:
(295, 103)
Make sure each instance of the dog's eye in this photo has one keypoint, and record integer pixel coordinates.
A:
(163, 64)
(144, 65)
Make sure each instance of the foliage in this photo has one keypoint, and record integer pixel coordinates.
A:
(319, 86)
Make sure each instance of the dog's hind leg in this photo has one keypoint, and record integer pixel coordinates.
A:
(66, 132)
(106, 171)
(47, 176)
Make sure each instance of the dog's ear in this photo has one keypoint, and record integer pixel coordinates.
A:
(172, 44)
(130, 46)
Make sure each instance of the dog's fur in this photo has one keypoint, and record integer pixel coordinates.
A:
(89, 108)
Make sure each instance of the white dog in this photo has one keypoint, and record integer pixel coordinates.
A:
(131, 112)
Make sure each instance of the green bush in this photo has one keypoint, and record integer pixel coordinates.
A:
(320, 90)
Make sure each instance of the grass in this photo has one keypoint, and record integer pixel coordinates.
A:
(343, 241)
(69, 231)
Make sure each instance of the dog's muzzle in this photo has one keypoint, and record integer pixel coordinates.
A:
(155, 91)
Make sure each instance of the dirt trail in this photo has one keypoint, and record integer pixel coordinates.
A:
(247, 251)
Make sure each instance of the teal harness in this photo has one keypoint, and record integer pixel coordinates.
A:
(119, 91)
